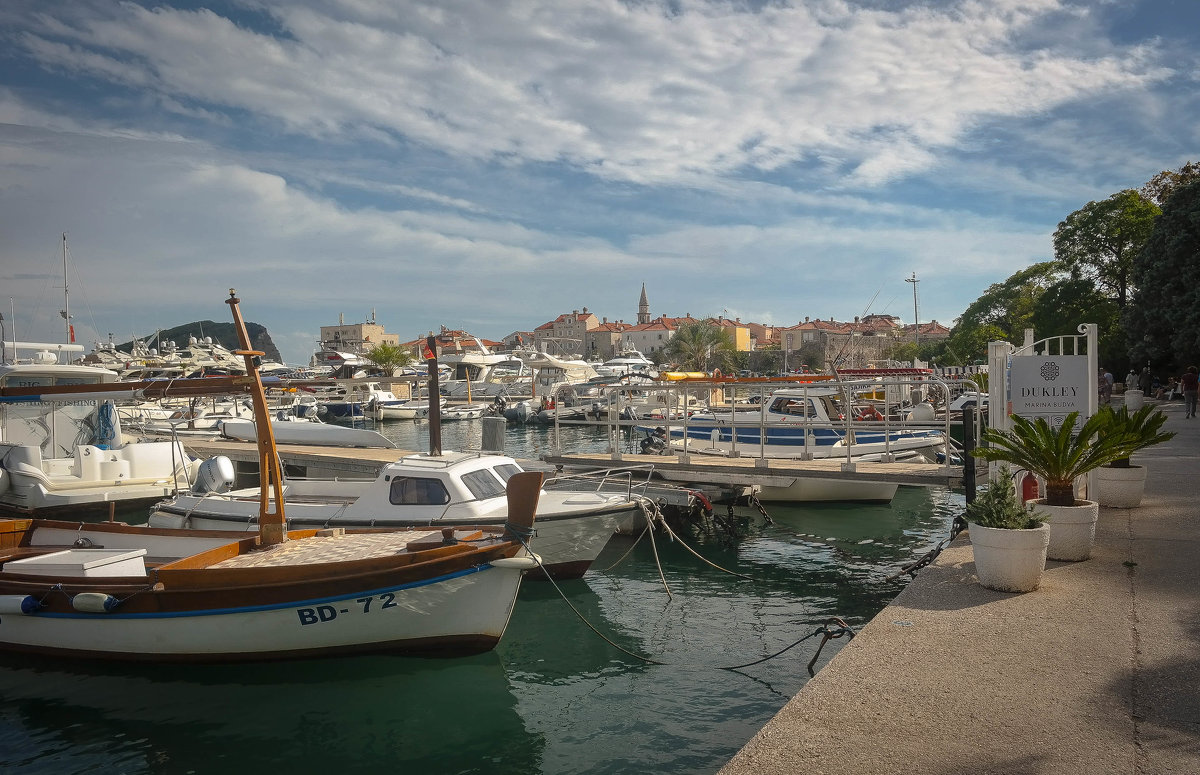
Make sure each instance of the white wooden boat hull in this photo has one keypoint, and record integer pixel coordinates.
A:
(468, 610)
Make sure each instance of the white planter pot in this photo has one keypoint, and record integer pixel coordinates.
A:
(1072, 529)
(1120, 488)
(1009, 560)
(1134, 399)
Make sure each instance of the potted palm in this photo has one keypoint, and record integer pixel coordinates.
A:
(1008, 538)
(1120, 484)
(1058, 456)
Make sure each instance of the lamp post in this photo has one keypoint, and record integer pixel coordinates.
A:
(916, 320)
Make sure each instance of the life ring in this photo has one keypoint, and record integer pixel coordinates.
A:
(716, 373)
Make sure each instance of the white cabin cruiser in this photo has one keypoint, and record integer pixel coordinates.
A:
(62, 452)
(460, 488)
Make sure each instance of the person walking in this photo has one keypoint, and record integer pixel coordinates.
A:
(1189, 382)
(1146, 381)
(1104, 383)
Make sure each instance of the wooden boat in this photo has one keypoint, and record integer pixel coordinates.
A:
(116, 591)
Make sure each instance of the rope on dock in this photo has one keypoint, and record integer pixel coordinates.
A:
(911, 569)
(824, 629)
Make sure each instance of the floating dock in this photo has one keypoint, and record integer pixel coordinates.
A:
(769, 472)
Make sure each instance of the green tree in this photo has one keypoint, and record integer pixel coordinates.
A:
(1099, 241)
(1163, 321)
(701, 346)
(1004, 311)
(1160, 187)
(1065, 304)
(389, 357)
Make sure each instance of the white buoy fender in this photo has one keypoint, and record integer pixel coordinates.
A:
(528, 562)
(94, 602)
(18, 604)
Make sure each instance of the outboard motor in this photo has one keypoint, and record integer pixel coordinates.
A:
(215, 475)
(655, 442)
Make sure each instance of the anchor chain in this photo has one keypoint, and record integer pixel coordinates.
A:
(911, 569)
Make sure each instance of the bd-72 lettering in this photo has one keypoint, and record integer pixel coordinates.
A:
(364, 605)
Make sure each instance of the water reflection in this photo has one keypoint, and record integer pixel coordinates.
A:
(366, 714)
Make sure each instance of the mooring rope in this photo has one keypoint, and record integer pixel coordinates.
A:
(843, 628)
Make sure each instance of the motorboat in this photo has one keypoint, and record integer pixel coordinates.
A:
(461, 488)
(480, 372)
(125, 592)
(626, 363)
(289, 429)
(806, 421)
(69, 452)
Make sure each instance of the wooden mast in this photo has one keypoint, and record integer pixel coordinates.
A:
(272, 525)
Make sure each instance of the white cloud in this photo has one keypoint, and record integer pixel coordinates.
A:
(629, 92)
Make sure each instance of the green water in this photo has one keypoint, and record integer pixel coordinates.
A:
(554, 697)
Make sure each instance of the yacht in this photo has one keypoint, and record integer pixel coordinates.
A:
(67, 451)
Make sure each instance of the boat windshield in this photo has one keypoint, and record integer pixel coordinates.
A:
(506, 470)
(483, 484)
(791, 406)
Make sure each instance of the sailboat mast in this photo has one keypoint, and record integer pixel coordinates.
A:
(66, 312)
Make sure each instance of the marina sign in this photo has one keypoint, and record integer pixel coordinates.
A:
(1050, 386)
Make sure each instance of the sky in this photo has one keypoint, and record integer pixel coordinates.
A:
(491, 164)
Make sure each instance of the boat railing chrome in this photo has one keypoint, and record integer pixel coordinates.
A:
(606, 480)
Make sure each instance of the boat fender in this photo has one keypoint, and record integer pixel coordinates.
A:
(19, 604)
(94, 602)
(528, 562)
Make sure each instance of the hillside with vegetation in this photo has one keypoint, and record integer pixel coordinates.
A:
(222, 333)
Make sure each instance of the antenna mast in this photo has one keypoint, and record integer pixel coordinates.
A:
(66, 310)
(916, 318)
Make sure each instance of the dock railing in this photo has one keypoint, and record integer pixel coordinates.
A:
(900, 407)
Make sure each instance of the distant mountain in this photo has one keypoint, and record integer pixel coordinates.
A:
(222, 333)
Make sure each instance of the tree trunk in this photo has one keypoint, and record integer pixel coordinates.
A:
(1060, 494)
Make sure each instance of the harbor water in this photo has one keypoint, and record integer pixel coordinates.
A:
(564, 692)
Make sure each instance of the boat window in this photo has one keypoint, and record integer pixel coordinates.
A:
(416, 491)
(506, 470)
(483, 484)
(792, 406)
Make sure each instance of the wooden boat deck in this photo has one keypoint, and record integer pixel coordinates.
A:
(336, 547)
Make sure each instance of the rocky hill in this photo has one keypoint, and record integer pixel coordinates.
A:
(222, 333)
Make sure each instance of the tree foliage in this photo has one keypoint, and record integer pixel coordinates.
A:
(1161, 186)
(1004, 311)
(701, 346)
(1099, 241)
(1164, 326)
(389, 356)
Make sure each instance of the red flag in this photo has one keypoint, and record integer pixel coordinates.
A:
(429, 355)
(72, 334)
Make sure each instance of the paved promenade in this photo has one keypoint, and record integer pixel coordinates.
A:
(1098, 671)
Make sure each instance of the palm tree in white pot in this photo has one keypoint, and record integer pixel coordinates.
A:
(1120, 483)
(1058, 457)
(1008, 538)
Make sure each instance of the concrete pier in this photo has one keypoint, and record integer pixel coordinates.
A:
(1096, 672)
